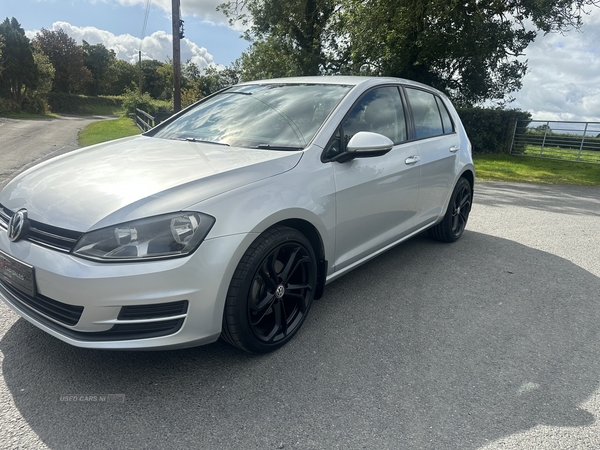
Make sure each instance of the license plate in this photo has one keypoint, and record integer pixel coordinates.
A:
(17, 274)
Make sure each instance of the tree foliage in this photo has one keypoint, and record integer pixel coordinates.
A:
(98, 60)
(198, 84)
(154, 82)
(298, 27)
(467, 48)
(120, 75)
(66, 57)
(19, 70)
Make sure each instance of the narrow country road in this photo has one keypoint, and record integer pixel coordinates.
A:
(26, 142)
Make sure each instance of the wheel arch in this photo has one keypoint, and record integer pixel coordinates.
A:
(470, 177)
(316, 240)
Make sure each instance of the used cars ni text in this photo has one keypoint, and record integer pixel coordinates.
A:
(229, 219)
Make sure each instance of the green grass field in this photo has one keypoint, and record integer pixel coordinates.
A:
(562, 153)
(107, 130)
(535, 170)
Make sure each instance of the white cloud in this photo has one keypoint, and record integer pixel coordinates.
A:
(563, 82)
(204, 9)
(159, 45)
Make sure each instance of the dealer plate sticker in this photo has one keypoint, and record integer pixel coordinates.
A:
(17, 274)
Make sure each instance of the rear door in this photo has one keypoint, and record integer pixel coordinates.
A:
(438, 145)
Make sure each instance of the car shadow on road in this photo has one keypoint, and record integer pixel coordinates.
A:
(428, 346)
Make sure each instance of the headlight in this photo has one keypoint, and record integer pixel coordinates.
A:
(165, 236)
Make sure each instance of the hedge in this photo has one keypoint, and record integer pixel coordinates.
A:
(491, 130)
(79, 104)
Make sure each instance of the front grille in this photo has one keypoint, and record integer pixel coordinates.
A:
(5, 215)
(61, 312)
(140, 312)
(45, 235)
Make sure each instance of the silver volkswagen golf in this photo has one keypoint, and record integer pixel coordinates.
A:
(230, 218)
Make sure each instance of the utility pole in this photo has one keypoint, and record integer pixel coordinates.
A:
(177, 35)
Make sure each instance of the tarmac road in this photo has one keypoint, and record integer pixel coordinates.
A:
(26, 142)
(488, 343)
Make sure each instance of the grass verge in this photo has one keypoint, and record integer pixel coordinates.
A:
(107, 130)
(535, 170)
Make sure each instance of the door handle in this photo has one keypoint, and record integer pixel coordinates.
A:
(412, 160)
(454, 148)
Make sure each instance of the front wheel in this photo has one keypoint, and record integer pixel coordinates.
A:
(271, 291)
(455, 220)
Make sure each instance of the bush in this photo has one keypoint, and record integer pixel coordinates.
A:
(8, 106)
(35, 104)
(491, 130)
(133, 99)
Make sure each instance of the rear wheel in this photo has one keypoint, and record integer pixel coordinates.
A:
(455, 220)
(271, 291)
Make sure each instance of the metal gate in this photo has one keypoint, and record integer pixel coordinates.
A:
(568, 141)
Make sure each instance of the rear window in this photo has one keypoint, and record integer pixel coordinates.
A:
(430, 115)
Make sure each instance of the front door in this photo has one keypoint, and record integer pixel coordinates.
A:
(376, 198)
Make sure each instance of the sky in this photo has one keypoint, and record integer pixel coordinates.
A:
(563, 82)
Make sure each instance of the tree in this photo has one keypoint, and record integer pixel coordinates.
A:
(214, 79)
(19, 70)
(1, 48)
(36, 101)
(467, 48)
(165, 72)
(190, 72)
(121, 75)
(66, 57)
(153, 82)
(298, 26)
(199, 85)
(269, 58)
(98, 59)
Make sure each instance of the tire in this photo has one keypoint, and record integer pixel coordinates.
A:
(271, 291)
(451, 228)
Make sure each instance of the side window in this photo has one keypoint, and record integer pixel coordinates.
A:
(379, 111)
(426, 114)
(446, 121)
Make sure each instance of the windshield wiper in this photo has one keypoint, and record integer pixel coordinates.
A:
(237, 92)
(277, 147)
(206, 141)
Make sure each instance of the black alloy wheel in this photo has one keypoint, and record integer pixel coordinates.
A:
(271, 291)
(452, 226)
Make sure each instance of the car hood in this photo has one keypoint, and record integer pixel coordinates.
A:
(136, 177)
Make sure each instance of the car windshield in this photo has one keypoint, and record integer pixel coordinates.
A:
(269, 116)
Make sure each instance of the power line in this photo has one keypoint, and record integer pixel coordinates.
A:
(146, 14)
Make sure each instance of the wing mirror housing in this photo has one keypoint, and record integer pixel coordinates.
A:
(365, 144)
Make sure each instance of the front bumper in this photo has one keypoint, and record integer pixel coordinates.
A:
(164, 304)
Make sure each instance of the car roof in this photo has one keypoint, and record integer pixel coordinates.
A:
(341, 79)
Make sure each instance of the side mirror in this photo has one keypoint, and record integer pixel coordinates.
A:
(365, 144)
